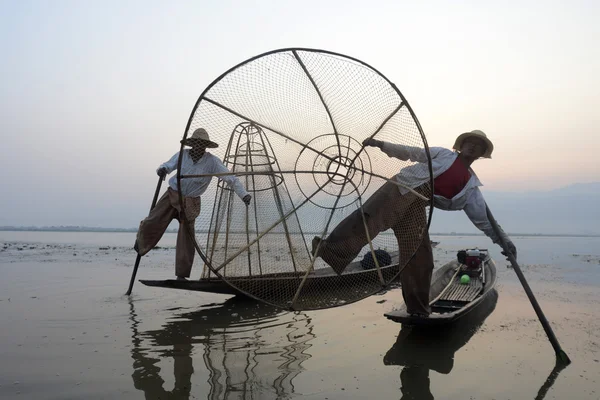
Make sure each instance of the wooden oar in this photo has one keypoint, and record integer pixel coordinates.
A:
(138, 258)
(560, 354)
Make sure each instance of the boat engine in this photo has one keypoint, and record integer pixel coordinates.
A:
(471, 260)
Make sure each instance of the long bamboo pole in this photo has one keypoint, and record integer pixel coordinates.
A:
(138, 258)
(560, 354)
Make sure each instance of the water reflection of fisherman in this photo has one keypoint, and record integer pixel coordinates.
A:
(195, 161)
(146, 372)
(420, 350)
(236, 351)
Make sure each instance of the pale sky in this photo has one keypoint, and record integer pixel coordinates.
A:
(96, 94)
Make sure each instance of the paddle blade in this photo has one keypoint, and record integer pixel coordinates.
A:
(562, 357)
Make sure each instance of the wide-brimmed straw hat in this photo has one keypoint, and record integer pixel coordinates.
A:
(478, 134)
(200, 136)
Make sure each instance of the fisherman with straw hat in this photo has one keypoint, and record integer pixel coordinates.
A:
(195, 161)
(393, 206)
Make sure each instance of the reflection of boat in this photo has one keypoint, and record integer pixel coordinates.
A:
(451, 297)
(247, 347)
(420, 350)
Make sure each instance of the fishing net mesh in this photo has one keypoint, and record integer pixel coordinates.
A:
(290, 126)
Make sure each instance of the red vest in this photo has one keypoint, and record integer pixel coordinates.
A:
(452, 181)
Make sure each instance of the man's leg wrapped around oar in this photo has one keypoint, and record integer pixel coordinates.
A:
(155, 224)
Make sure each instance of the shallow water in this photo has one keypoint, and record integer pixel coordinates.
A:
(68, 332)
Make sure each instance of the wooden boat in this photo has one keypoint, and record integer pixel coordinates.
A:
(341, 287)
(449, 298)
(217, 285)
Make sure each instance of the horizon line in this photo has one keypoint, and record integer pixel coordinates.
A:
(75, 228)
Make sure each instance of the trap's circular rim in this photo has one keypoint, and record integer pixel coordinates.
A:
(308, 50)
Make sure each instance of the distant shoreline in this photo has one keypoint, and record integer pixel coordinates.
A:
(133, 230)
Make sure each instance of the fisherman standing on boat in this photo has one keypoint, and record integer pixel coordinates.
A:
(456, 187)
(195, 161)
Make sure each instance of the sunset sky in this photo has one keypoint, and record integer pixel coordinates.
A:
(96, 94)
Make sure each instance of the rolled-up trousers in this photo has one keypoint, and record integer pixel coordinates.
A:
(406, 215)
(154, 226)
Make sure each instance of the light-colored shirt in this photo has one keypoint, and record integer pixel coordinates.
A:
(470, 199)
(207, 164)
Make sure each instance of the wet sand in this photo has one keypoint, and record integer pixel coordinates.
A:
(68, 332)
